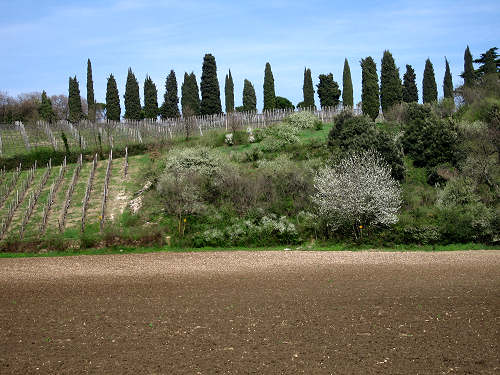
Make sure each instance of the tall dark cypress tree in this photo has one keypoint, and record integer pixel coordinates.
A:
(410, 90)
(195, 94)
(269, 94)
(448, 81)
(45, 109)
(132, 99)
(429, 86)
(370, 103)
(150, 99)
(113, 109)
(90, 93)
(391, 91)
(190, 101)
(347, 94)
(468, 73)
(328, 91)
(308, 89)
(249, 98)
(210, 92)
(74, 101)
(229, 92)
(170, 107)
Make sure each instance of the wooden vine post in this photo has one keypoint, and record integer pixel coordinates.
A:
(105, 191)
(69, 194)
(86, 198)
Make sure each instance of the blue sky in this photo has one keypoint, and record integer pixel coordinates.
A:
(45, 42)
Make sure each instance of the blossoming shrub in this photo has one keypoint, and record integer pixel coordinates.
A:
(276, 137)
(303, 120)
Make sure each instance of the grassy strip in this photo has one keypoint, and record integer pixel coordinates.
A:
(333, 247)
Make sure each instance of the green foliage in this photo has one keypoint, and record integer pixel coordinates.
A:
(229, 92)
(45, 109)
(429, 87)
(468, 73)
(190, 101)
(65, 141)
(170, 108)
(447, 82)
(489, 64)
(269, 94)
(113, 109)
(74, 101)
(302, 120)
(90, 93)
(410, 90)
(132, 100)
(369, 93)
(328, 91)
(210, 93)
(347, 92)
(150, 99)
(276, 137)
(283, 103)
(390, 84)
(308, 90)
(249, 98)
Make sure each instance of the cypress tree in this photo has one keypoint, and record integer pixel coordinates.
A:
(74, 101)
(328, 91)
(150, 99)
(468, 73)
(190, 100)
(229, 93)
(308, 89)
(347, 94)
(410, 90)
(132, 100)
(195, 94)
(370, 103)
(448, 81)
(249, 98)
(45, 109)
(90, 93)
(391, 91)
(269, 94)
(210, 92)
(170, 107)
(113, 109)
(429, 87)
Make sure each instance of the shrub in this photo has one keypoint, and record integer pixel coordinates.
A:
(302, 120)
(278, 136)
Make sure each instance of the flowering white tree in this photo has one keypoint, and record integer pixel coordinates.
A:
(359, 191)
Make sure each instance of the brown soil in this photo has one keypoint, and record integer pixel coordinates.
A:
(252, 313)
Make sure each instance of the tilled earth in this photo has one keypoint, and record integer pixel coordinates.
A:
(286, 312)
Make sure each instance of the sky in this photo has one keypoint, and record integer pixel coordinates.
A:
(45, 42)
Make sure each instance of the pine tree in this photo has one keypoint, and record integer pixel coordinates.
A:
(410, 90)
(269, 94)
(391, 90)
(229, 93)
(468, 73)
(370, 103)
(347, 94)
(132, 99)
(150, 99)
(448, 81)
(249, 98)
(429, 87)
(328, 91)
(90, 93)
(45, 109)
(210, 92)
(74, 101)
(308, 90)
(170, 107)
(489, 63)
(113, 109)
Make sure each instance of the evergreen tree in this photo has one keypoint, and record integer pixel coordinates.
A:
(132, 99)
(410, 90)
(284, 103)
(347, 94)
(489, 63)
(190, 101)
(249, 98)
(370, 103)
(210, 92)
(391, 90)
(229, 93)
(308, 89)
(74, 101)
(429, 87)
(269, 94)
(113, 109)
(468, 73)
(170, 107)
(195, 94)
(448, 81)
(90, 93)
(150, 99)
(45, 109)
(328, 91)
